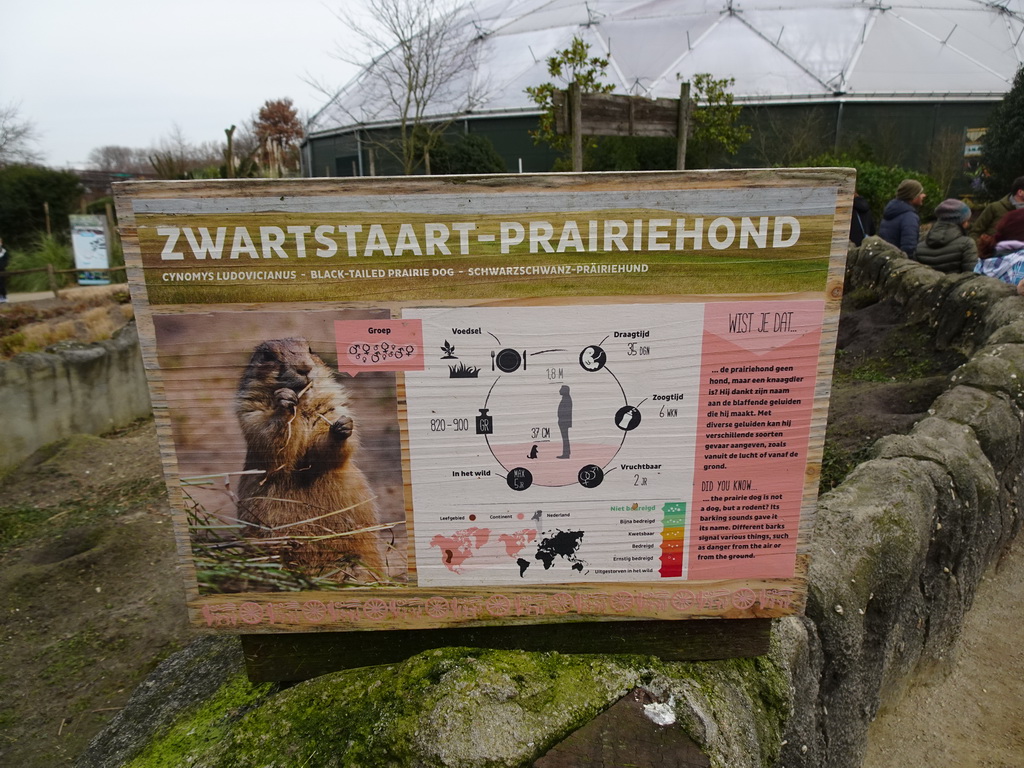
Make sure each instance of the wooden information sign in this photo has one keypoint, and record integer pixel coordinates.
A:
(444, 402)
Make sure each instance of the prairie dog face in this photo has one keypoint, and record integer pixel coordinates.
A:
(289, 363)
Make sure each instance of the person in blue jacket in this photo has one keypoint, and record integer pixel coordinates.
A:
(901, 224)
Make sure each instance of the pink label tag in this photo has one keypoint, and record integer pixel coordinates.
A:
(379, 345)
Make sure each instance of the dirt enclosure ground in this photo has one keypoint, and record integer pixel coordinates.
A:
(91, 597)
(89, 591)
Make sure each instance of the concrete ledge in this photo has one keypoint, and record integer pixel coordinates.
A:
(71, 389)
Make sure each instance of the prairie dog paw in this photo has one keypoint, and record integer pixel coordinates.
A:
(342, 428)
(286, 398)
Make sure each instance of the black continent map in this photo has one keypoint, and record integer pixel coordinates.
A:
(561, 544)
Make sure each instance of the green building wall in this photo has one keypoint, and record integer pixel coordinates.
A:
(349, 154)
(916, 134)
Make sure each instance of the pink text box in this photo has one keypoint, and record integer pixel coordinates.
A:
(379, 345)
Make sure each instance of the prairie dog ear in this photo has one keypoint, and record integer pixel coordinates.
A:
(265, 352)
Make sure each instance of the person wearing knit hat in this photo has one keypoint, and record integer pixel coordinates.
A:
(947, 247)
(901, 224)
(908, 190)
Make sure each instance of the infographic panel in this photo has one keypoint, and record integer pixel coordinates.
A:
(545, 450)
(552, 444)
(440, 401)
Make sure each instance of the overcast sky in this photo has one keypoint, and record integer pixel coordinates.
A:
(124, 72)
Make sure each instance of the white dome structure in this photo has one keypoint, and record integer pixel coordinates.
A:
(778, 52)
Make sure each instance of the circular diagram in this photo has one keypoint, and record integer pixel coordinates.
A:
(560, 420)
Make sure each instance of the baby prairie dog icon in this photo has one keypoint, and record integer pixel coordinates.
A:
(305, 494)
(593, 358)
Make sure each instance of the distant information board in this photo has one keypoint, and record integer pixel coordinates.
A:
(441, 401)
(89, 243)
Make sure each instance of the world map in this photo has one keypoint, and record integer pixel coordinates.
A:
(458, 549)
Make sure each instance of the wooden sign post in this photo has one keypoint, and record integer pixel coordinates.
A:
(607, 114)
(491, 407)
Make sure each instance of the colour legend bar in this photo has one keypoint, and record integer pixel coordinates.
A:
(672, 534)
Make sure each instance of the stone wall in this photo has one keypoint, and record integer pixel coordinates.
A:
(74, 388)
(897, 553)
(900, 547)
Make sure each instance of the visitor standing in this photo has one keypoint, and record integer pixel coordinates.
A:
(862, 223)
(947, 247)
(901, 224)
(986, 222)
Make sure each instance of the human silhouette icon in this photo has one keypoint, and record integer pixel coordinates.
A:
(564, 419)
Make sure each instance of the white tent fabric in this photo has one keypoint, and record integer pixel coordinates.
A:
(775, 50)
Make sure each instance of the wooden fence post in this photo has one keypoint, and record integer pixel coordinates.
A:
(115, 236)
(51, 275)
(576, 126)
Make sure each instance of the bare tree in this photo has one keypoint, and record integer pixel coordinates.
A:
(177, 158)
(786, 140)
(888, 139)
(946, 158)
(117, 159)
(420, 78)
(17, 137)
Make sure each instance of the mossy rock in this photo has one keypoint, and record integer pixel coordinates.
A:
(474, 708)
(448, 707)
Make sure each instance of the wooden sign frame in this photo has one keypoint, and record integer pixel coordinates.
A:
(677, 328)
(582, 114)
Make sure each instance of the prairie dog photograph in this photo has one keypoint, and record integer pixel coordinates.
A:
(284, 462)
(307, 498)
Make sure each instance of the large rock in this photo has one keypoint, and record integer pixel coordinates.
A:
(206, 677)
(452, 707)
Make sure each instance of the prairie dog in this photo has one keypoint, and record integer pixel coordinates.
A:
(299, 431)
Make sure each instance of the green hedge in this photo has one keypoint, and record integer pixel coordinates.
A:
(877, 183)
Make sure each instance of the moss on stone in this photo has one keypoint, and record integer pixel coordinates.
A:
(192, 733)
(473, 708)
(892, 524)
(450, 707)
